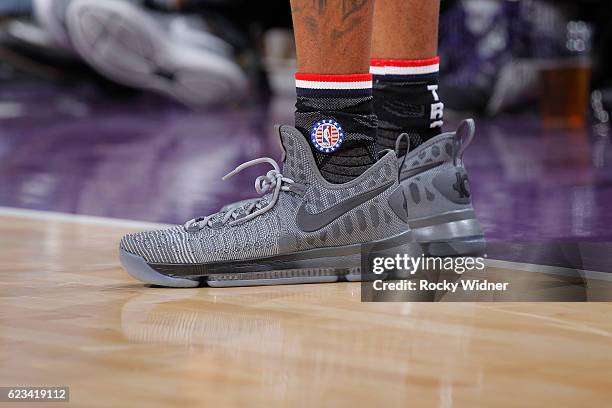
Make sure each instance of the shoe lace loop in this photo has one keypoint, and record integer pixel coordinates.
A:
(273, 181)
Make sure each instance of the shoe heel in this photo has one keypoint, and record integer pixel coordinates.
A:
(456, 238)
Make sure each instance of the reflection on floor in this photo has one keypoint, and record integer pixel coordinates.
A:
(70, 316)
(76, 151)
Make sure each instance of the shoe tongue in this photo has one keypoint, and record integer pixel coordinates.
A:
(296, 152)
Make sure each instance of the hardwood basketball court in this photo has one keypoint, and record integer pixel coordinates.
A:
(70, 316)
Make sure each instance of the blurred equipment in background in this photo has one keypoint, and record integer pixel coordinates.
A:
(51, 16)
(15, 7)
(476, 40)
(192, 58)
(279, 61)
(502, 55)
(169, 53)
(498, 56)
(565, 82)
(28, 52)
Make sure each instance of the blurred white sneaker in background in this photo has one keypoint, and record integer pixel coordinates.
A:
(51, 16)
(169, 53)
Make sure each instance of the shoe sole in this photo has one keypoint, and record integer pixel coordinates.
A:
(455, 233)
(322, 265)
(123, 43)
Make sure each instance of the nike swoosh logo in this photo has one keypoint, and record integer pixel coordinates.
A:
(313, 222)
(413, 172)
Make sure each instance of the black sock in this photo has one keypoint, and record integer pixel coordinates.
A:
(406, 101)
(335, 113)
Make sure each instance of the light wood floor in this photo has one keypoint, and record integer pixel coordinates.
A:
(70, 316)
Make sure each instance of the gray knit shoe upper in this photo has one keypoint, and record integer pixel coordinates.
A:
(434, 177)
(298, 211)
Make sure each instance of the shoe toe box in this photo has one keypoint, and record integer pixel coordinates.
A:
(160, 246)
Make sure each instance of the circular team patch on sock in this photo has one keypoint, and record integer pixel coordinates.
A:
(326, 136)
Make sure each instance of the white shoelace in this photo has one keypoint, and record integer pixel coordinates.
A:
(272, 181)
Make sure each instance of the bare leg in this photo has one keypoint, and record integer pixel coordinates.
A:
(406, 29)
(333, 36)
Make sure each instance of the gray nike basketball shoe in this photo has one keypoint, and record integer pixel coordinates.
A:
(437, 190)
(302, 230)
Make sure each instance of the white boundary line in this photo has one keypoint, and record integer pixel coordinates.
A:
(118, 222)
(78, 218)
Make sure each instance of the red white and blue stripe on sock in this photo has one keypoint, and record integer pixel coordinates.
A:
(403, 69)
(330, 86)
